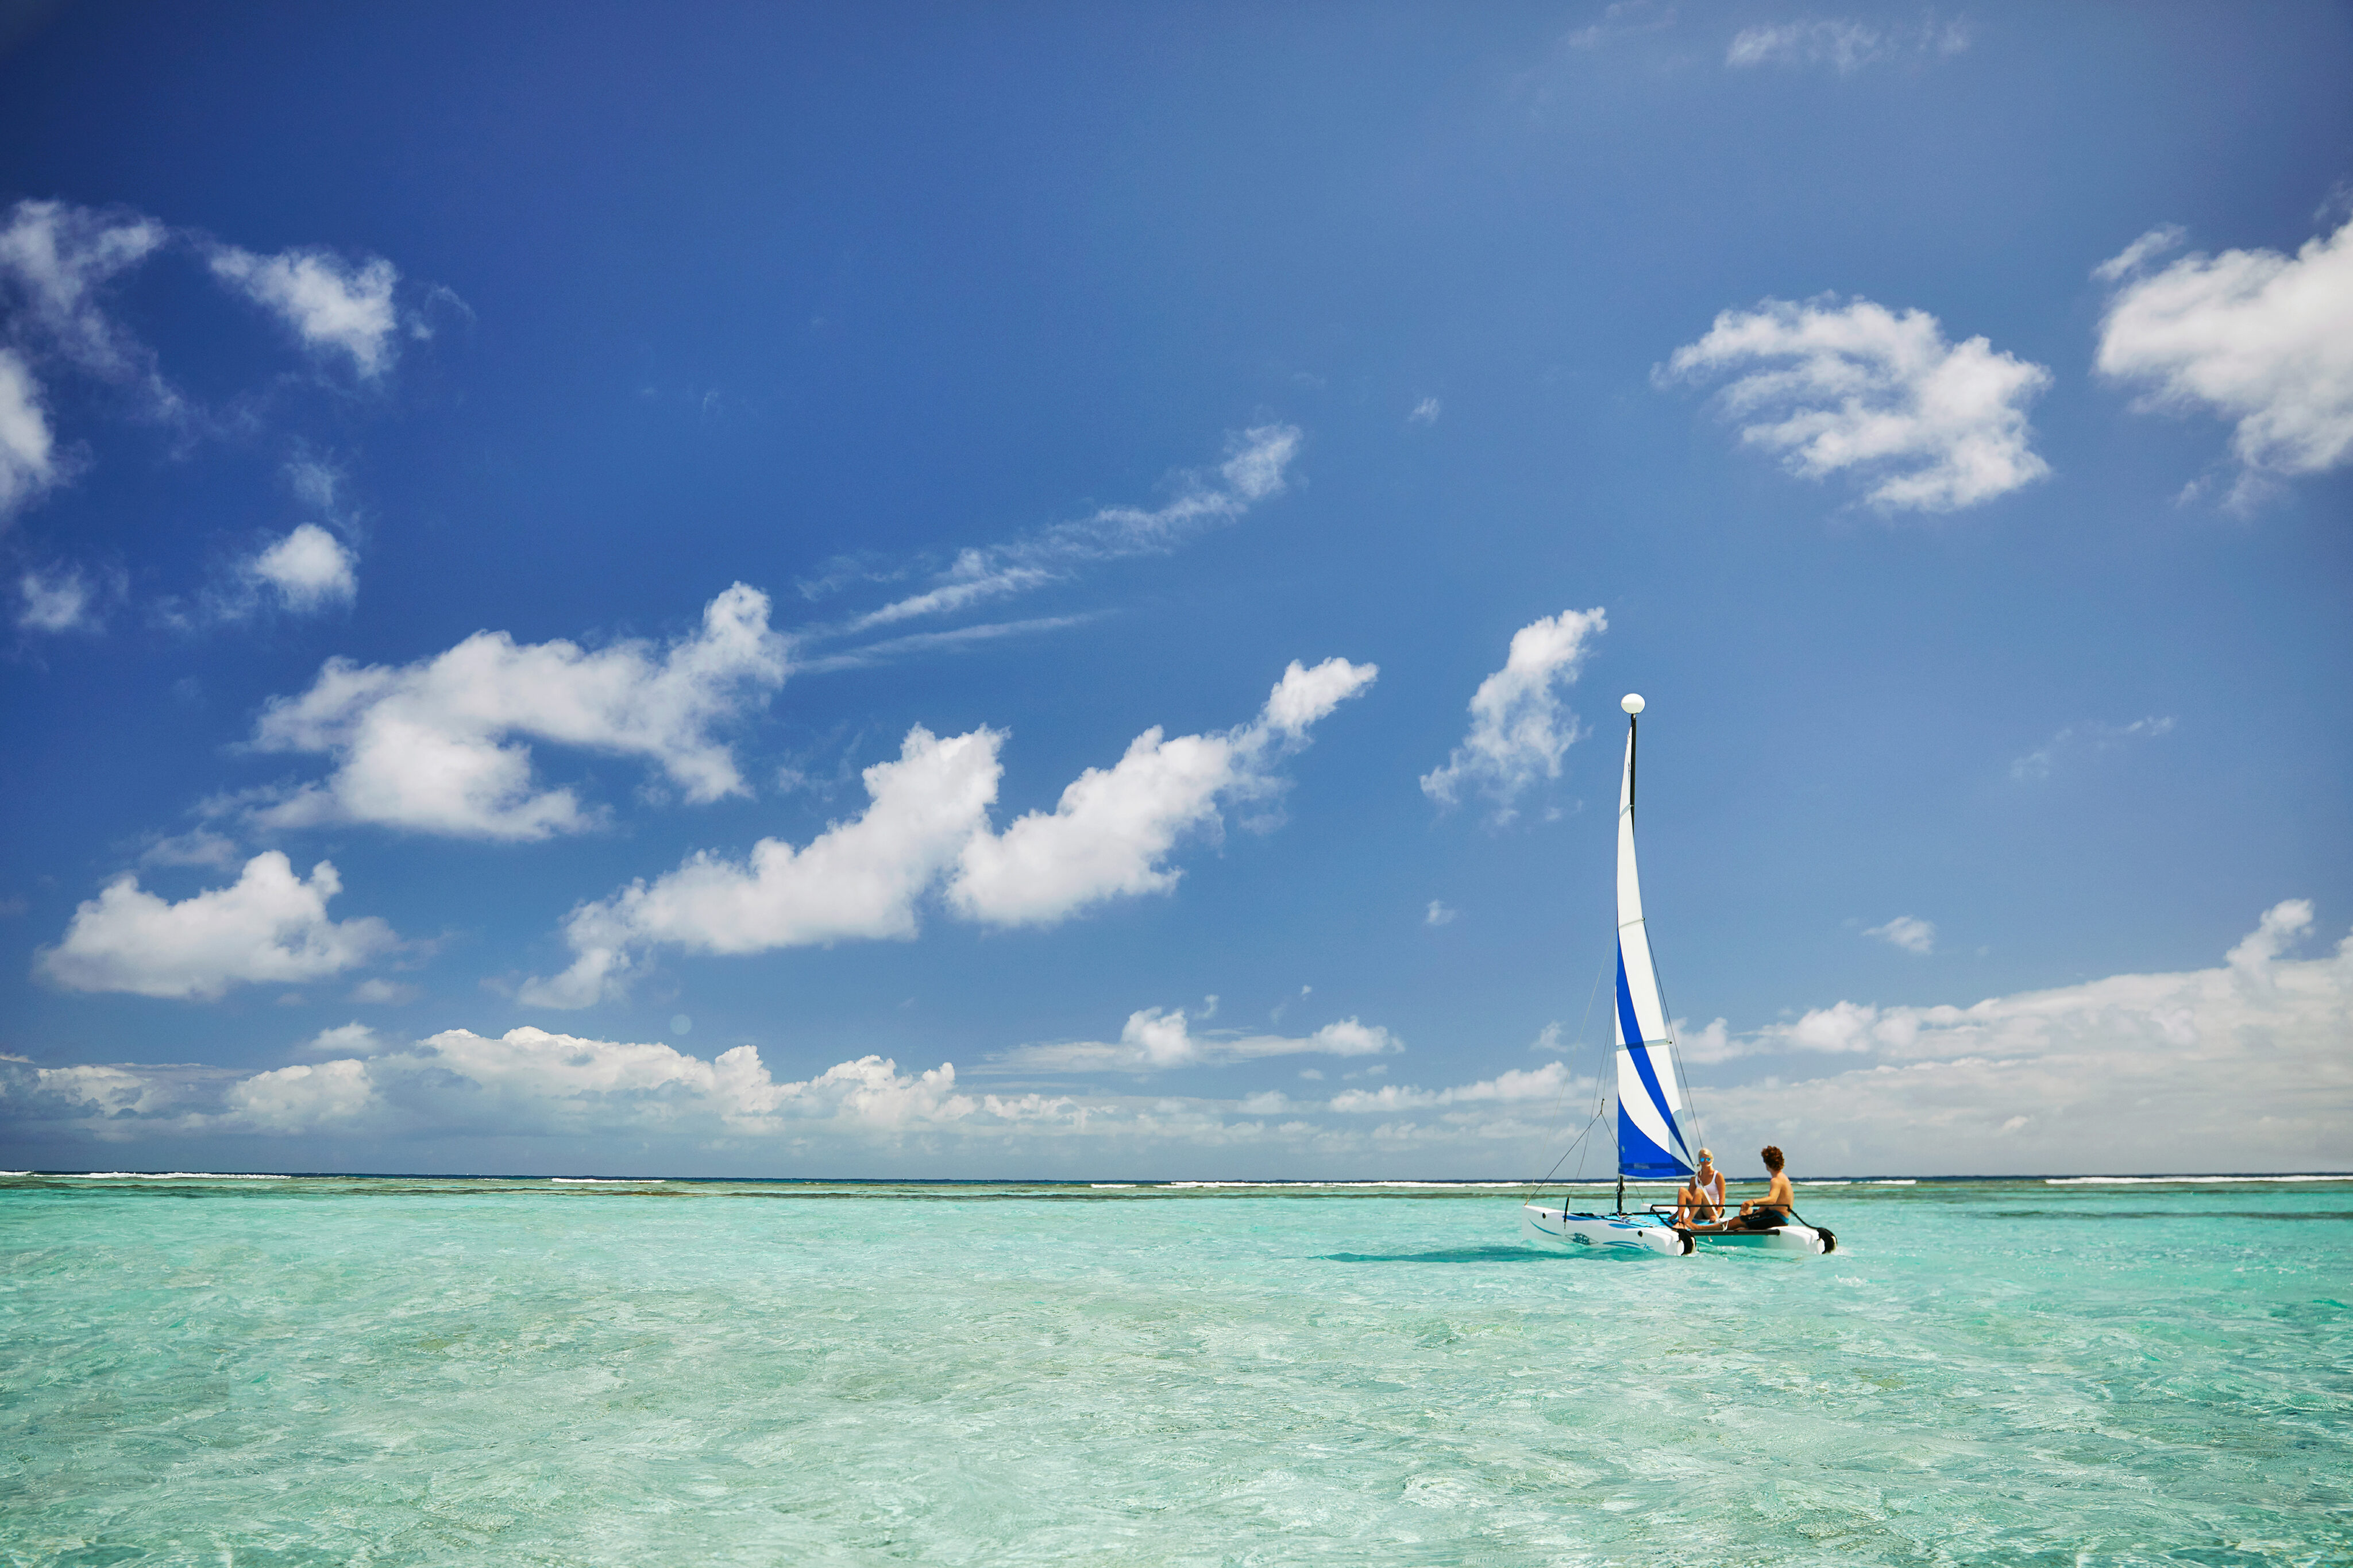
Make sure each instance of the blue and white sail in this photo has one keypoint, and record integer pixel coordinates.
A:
(1650, 1141)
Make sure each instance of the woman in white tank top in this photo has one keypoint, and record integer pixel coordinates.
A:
(1702, 1202)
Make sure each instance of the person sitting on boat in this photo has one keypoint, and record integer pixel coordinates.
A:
(1773, 1209)
(1701, 1201)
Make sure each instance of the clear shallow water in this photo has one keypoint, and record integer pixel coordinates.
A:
(390, 1371)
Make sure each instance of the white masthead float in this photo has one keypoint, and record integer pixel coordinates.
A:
(1651, 1145)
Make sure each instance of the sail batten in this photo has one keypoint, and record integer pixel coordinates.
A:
(1650, 1141)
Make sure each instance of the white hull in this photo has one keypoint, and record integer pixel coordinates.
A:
(1607, 1233)
(1647, 1233)
(1797, 1238)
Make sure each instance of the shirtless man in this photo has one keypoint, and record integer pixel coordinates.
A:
(1773, 1208)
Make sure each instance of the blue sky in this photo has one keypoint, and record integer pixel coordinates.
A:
(664, 513)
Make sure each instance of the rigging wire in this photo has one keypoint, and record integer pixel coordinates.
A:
(1568, 1058)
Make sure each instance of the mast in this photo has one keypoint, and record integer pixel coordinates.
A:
(1650, 1141)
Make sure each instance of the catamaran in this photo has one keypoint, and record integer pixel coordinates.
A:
(1650, 1142)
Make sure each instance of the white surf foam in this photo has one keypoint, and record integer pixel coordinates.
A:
(2170, 1181)
(170, 1176)
(1189, 1185)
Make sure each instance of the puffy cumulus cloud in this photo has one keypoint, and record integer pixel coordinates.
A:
(1923, 424)
(301, 1099)
(527, 1081)
(1911, 935)
(270, 925)
(2260, 339)
(1519, 731)
(1843, 44)
(2243, 1067)
(308, 570)
(1109, 834)
(334, 306)
(439, 746)
(531, 1083)
(861, 877)
(28, 461)
(1548, 1083)
(927, 825)
(2240, 1068)
(1155, 1039)
(1252, 471)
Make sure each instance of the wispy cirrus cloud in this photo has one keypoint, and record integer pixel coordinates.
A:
(1843, 44)
(1254, 469)
(1921, 423)
(2073, 739)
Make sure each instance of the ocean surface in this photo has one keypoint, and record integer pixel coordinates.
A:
(390, 1371)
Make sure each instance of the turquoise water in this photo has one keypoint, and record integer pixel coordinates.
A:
(386, 1371)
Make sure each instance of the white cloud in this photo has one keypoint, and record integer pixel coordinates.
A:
(353, 1038)
(436, 746)
(308, 570)
(1254, 470)
(1110, 833)
(270, 925)
(384, 993)
(2045, 760)
(333, 305)
(1703, 1048)
(1840, 43)
(866, 655)
(861, 877)
(56, 599)
(2251, 336)
(927, 821)
(1441, 914)
(2241, 1068)
(56, 259)
(301, 1099)
(1620, 19)
(200, 846)
(1924, 423)
(28, 462)
(1518, 730)
(1547, 1082)
(1911, 935)
(1426, 411)
(527, 1081)
(1153, 1039)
